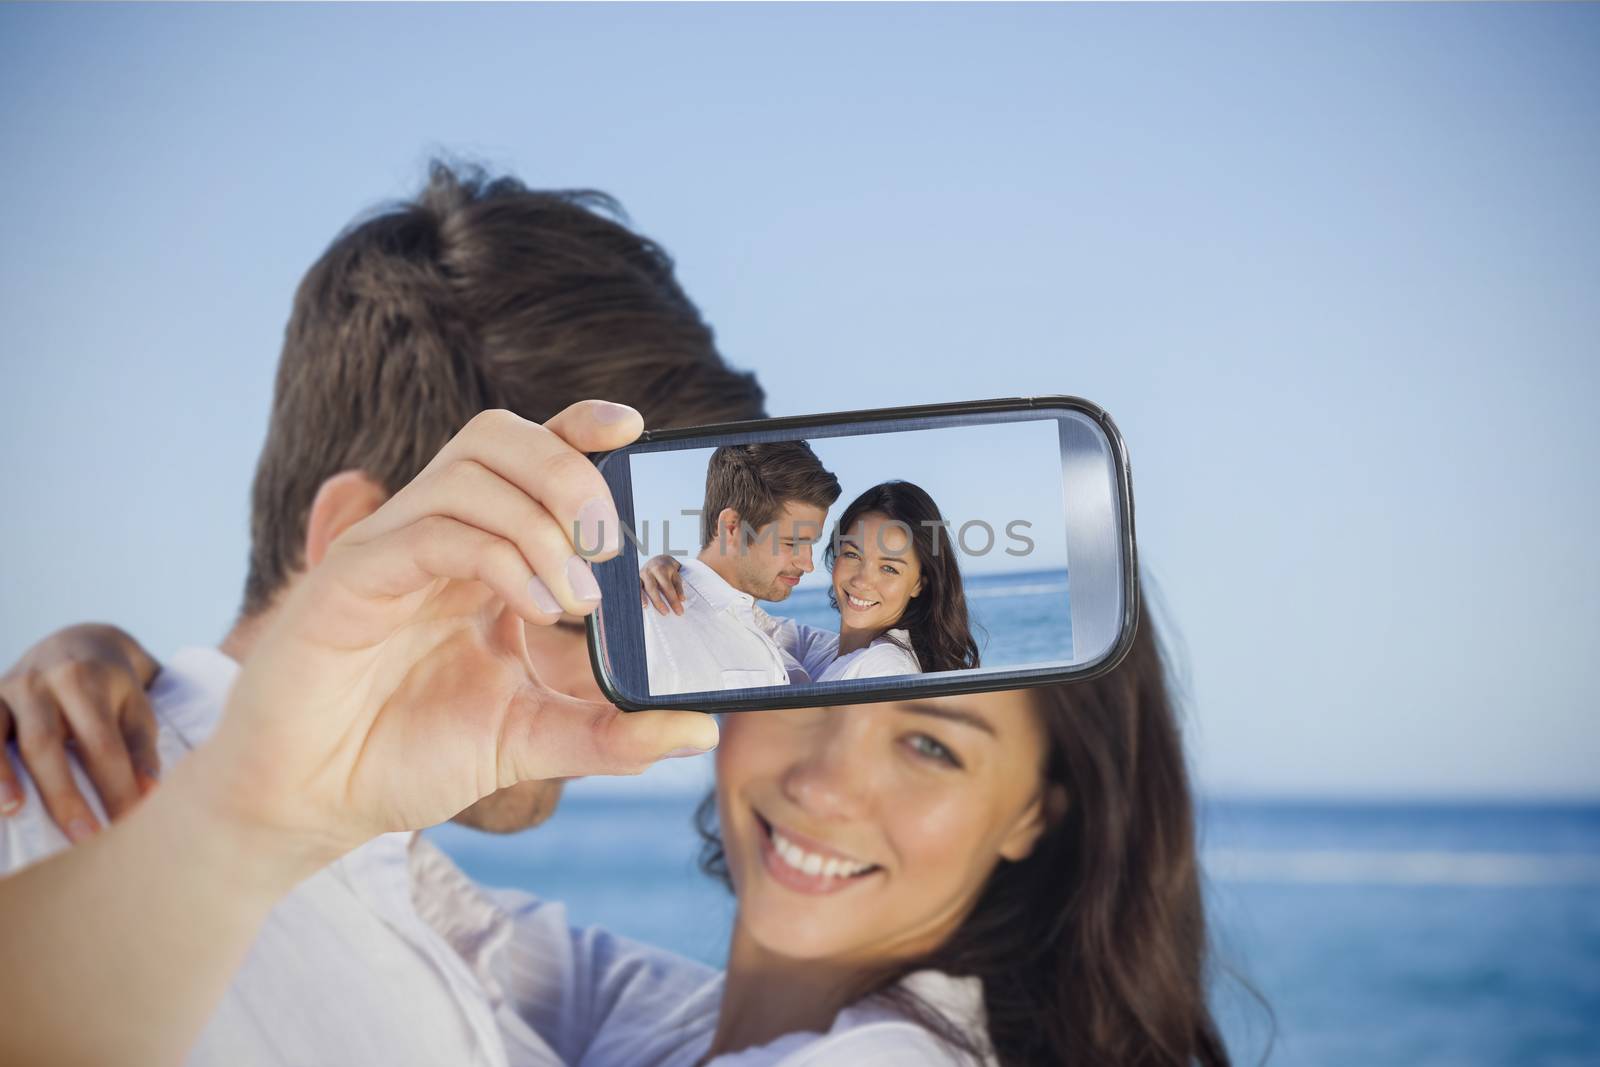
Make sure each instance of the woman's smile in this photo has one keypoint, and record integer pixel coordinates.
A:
(859, 603)
(806, 865)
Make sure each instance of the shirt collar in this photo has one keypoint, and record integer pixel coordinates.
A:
(713, 588)
(192, 693)
(192, 690)
(959, 1000)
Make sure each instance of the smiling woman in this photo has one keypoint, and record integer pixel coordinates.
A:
(1010, 874)
(897, 587)
(903, 797)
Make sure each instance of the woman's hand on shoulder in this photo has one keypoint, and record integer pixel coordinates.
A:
(661, 585)
(80, 690)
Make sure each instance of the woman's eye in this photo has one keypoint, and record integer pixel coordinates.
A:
(849, 553)
(890, 569)
(924, 745)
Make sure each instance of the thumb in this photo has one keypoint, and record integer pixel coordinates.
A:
(596, 425)
(553, 735)
(641, 738)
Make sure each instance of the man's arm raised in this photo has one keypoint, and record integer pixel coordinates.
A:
(391, 691)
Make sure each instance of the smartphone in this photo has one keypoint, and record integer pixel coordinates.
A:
(866, 556)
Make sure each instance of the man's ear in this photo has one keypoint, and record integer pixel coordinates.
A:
(728, 523)
(341, 502)
(1047, 809)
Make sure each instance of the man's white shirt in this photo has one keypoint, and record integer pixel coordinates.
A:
(721, 641)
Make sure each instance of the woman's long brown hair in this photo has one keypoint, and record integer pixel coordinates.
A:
(1093, 949)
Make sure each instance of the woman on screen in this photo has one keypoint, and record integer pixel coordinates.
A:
(896, 586)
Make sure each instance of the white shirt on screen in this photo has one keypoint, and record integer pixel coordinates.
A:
(719, 642)
(817, 650)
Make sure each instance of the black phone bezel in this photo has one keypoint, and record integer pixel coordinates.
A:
(980, 683)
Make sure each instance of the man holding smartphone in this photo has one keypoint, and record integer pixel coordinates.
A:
(480, 294)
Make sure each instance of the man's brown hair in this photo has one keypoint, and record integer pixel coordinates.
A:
(480, 293)
(758, 480)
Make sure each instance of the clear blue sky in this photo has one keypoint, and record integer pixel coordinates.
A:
(1334, 270)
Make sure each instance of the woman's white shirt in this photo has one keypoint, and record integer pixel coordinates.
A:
(867, 1034)
(871, 1034)
(599, 1000)
(818, 651)
(885, 657)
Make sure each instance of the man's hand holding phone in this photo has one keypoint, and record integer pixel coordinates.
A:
(390, 689)
(393, 688)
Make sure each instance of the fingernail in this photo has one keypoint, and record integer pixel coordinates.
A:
(80, 829)
(598, 530)
(607, 412)
(147, 783)
(543, 597)
(10, 797)
(581, 578)
(686, 750)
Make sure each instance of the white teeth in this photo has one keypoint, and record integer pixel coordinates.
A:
(857, 602)
(813, 864)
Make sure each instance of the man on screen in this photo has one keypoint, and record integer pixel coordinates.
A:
(765, 506)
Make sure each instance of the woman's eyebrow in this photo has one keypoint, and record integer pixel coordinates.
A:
(942, 711)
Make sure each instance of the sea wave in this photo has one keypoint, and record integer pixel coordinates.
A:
(1402, 868)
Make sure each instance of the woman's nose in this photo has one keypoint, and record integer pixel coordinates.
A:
(829, 780)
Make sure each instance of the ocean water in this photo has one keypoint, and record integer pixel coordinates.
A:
(1377, 934)
(1018, 617)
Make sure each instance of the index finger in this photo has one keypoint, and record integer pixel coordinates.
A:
(549, 465)
(11, 794)
(597, 426)
(674, 591)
